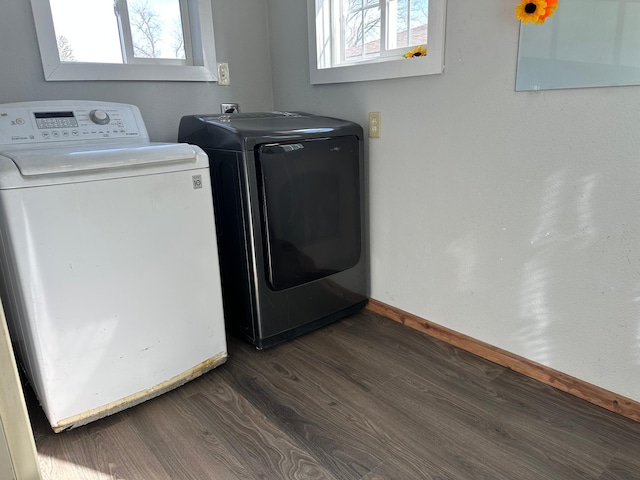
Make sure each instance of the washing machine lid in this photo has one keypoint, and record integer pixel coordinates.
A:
(67, 160)
(95, 162)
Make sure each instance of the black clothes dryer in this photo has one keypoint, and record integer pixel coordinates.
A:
(289, 205)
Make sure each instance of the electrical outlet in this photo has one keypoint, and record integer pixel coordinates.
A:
(223, 74)
(374, 124)
(229, 108)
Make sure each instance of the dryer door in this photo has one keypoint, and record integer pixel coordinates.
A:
(310, 207)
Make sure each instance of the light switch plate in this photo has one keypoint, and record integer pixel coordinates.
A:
(374, 124)
(223, 74)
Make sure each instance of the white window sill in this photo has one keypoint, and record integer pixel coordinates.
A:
(64, 71)
(380, 70)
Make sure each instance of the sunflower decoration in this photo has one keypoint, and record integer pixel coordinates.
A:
(535, 11)
(419, 51)
(550, 10)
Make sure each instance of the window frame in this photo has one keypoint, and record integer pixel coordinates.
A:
(200, 36)
(391, 64)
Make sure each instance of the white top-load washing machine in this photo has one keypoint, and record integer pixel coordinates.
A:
(110, 273)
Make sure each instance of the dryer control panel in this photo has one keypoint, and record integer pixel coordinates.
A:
(69, 121)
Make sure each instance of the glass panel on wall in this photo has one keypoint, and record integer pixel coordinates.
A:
(587, 43)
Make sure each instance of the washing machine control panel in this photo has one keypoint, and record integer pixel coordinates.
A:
(46, 122)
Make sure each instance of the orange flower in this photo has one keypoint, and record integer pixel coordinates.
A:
(551, 8)
(530, 11)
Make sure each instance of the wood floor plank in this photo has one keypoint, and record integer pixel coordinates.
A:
(253, 439)
(365, 398)
(106, 452)
(531, 400)
(302, 413)
(473, 403)
(399, 470)
(467, 400)
(184, 444)
(625, 465)
(381, 427)
(439, 446)
(429, 435)
(363, 367)
(416, 348)
(515, 450)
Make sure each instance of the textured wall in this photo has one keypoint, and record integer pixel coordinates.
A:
(241, 40)
(510, 217)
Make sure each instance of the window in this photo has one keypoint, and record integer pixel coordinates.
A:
(125, 39)
(352, 40)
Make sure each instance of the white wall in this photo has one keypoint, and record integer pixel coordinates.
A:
(241, 40)
(510, 217)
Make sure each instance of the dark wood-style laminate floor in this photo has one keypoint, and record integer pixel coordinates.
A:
(365, 398)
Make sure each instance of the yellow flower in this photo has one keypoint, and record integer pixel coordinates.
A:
(419, 51)
(531, 11)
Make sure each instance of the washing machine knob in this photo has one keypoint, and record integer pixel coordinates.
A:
(99, 116)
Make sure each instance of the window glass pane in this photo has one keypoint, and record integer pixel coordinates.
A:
(156, 28)
(352, 5)
(361, 30)
(410, 27)
(86, 31)
(419, 19)
(372, 32)
(353, 35)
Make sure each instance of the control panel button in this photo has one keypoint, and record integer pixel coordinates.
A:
(99, 116)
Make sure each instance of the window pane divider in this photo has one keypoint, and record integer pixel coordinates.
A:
(124, 25)
(186, 31)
